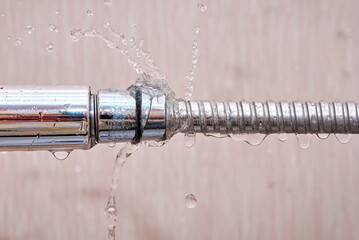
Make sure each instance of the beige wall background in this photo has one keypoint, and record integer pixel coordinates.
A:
(254, 50)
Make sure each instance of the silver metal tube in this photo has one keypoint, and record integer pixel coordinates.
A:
(44, 118)
(64, 118)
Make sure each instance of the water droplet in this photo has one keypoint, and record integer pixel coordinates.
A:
(76, 34)
(89, 13)
(3, 14)
(50, 47)
(282, 137)
(53, 28)
(323, 135)
(106, 25)
(304, 140)
(197, 29)
(190, 201)
(189, 139)
(18, 41)
(202, 7)
(30, 29)
(343, 138)
(108, 2)
(111, 144)
(57, 12)
(61, 155)
(9, 37)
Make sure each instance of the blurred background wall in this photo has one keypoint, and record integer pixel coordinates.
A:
(254, 50)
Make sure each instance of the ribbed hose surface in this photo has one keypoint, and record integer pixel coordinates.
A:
(263, 117)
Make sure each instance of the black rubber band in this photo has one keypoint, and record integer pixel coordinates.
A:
(139, 130)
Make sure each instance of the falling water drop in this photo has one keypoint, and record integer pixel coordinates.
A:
(53, 28)
(3, 14)
(304, 140)
(111, 144)
(89, 13)
(343, 138)
(61, 155)
(57, 12)
(189, 139)
(30, 29)
(9, 37)
(283, 137)
(323, 135)
(50, 47)
(190, 200)
(202, 7)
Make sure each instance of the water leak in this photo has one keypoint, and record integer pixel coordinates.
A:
(304, 140)
(111, 209)
(61, 155)
(343, 138)
(283, 137)
(189, 139)
(194, 62)
(190, 201)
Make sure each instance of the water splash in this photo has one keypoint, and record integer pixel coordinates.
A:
(194, 62)
(111, 209)
(138, 59)
(190, 201)
(343, 138)
(304, 140)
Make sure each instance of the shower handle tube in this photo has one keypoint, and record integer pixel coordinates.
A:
(65, 118)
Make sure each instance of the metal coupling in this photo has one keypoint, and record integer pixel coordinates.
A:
(65, 118)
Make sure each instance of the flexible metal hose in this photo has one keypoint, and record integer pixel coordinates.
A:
(268, 117)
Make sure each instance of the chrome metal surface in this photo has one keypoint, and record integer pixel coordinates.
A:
(153, 114)
(116, 118)
(268, 117)
(64, 118)
(44, 117)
